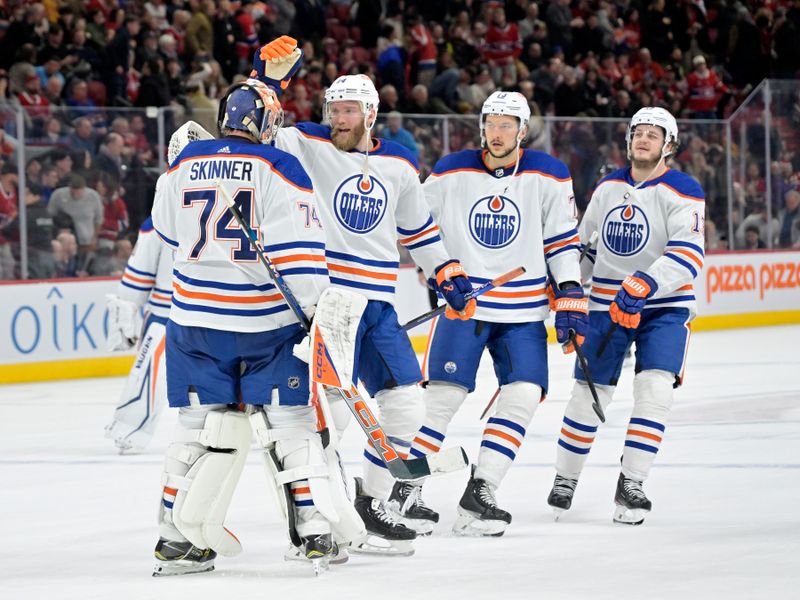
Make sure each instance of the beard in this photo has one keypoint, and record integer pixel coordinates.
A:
(348, 141)
(503, 154)
(647, 163)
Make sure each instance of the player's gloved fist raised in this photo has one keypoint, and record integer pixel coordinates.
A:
(276, 62)
(123, 330)
(631, 299)
(452, 282)
(572, 309)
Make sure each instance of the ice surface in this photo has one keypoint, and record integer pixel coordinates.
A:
(78, 520)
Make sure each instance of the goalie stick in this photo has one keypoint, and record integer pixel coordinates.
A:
(444, 461)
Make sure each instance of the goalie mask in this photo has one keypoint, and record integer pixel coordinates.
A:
(252, 107)
(659, 117)
(353, 87)
(188, 132)
(512, 104)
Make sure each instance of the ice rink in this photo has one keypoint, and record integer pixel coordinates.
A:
(78, 520)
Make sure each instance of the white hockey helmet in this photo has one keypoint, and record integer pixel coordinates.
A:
(352, 87)
(513, 104)
(653, 115)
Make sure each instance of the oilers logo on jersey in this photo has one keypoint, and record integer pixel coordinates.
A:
(494, 221)
(626, 230)
(359, 203)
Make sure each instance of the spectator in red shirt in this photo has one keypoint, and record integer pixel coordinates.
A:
(502, 45)
(423, 52)
(115, 213)
(646, 71)
(8, 214)
(34, 103)
(704, 90)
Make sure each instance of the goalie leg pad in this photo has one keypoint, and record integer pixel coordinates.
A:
(579, 428)
(652, 400)
(442, 401)
(401, 411)
(505, 430)
(144, 394)
(215, 455)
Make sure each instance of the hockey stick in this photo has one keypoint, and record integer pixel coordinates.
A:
(488, 406)
(444, 461)
(489, 285)
(607, 338)
(585, 368)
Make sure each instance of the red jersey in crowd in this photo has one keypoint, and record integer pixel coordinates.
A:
(704, 91)
(8, 211)
(115, 219)
(424, 48)
(38, 106)
(502, 44)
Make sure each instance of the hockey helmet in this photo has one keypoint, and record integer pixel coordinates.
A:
(188, 132)
(653, 115)
(513, 104)
(352, 87)
(253, 107)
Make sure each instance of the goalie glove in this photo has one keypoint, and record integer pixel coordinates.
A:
(123, 330)
(452, 282)
(276, 62)
(631, 299)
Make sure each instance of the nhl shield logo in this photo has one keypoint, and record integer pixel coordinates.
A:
(494, 221)
(359, 204)
(293, 383)
(626, 230)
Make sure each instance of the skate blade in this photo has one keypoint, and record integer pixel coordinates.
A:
(377, 546)
(557, 512)
(293, 554)
(421, 526)
(170, 568)
(319, 564)
(467, 525)
(629, 516)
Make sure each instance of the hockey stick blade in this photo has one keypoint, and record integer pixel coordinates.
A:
(490, 285)
(368, 422)
(598, 410)
(446, 460)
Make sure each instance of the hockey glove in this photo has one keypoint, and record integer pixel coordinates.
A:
(452, 282)
(277, 62)
(631, 299)
(572, 310)
(123, 329)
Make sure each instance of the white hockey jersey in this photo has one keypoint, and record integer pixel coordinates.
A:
(494, 223)
(147, 279)
(218, 281)
(657, 228)
(365, 219)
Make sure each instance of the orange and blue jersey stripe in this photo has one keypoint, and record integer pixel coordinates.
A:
(349, 270)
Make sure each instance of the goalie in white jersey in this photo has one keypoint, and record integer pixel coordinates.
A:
(146, 284)
(499, 208)
(230, 336)
(370, 198)
(649, 221)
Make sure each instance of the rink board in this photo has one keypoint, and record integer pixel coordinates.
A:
(57, 329)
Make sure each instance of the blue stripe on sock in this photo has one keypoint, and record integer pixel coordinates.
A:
(572, 448)
(431, 432)
(510, 424)
(576, 425)
(304, 503)
(647, 423)
(375, 461)
(499, 448)
(640, 446)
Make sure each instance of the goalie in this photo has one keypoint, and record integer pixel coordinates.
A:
(230, 342)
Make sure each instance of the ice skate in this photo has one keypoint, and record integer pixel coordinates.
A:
(478, 513)
(181, 558)
(338, 554)
(632, 504)
(385, 536)
(560, 497)
(407, 505)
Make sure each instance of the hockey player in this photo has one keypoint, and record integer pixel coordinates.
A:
(498, 208)
(650, 249)
(230, 335)
(145, 284)
(370, 197)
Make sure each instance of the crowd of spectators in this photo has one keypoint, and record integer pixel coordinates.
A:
(83, 75)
